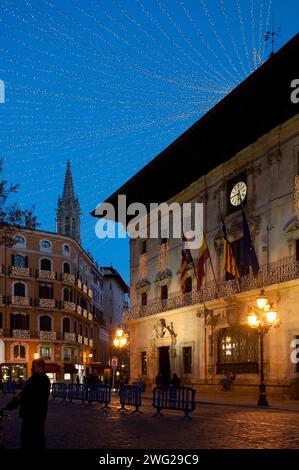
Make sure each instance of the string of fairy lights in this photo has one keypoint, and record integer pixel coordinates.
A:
(109, 84)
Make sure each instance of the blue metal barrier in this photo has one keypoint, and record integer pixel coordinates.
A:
(140, 384)
(130, 395)
(10, 388)
(99, 393)
(181, 398)
(77, 392)
(59, 390)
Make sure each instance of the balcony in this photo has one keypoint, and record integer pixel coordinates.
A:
(19, 271)
(85, 340)
(69, 306)
(47, 335)
(90, 293)
(284, 270)
(85, 289)
(80, 339)
(20, 334)
(79, 309)
(20, 301)
(91, 343)
(68, 278)
(46, 275)
(85, 313)
(90, 316)
(79, 283)
(46, 303)
(70, 337)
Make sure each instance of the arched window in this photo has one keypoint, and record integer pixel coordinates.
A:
(19, 240)
(75, 327)
(66, 295)
(188, 285)
(45, 323)
(81, 330)
(73, 224)
(45, 245)
(19, 321)
(45, 292)
(19, 261)
(19, 289)
(67, 226)
(66, 249)
(66, 268)
(86, 331)
(66, 325)
(45, 264)
(19, 351)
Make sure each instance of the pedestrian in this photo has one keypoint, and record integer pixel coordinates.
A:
(33, 402)
(175, 381)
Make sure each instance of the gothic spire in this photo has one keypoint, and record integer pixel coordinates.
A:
(68, 189)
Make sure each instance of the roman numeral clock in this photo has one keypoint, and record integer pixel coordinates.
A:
(238, 193)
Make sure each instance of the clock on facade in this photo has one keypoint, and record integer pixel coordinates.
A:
(238, 193)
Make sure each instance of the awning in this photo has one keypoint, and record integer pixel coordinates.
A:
(70, 369)
(52, 368)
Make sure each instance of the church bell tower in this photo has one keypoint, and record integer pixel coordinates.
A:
(68, 212)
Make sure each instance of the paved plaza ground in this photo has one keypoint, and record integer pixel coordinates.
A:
(222, 426)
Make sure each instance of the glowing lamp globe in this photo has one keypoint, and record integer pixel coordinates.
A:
(116, 342)
(252, 319)
(271, 315)
(119, 332)
(261, 301)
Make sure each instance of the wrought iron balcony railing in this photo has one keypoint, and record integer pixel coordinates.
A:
(284, 270)
(68, 278)
(71, 337)
(20, 301)
(46, 275)
(69, 306)
(47, 335)
(19, 271)
(21, 334)
(46, 303)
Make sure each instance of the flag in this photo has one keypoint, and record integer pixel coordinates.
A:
(229, 261)
(250, 258)
(185, 263)
(203, 256)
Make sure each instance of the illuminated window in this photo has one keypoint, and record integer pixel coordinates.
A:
(46, 353)
(237, 350)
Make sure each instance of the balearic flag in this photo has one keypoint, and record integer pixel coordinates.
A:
(250, 254)
(203, 256)
(229, 261)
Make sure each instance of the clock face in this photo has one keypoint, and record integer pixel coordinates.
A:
(238, 193)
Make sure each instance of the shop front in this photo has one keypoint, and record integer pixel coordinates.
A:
(13, 372)
(70, 372)
(53, 371)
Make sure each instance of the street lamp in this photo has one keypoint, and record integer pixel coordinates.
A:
(120, 341)
(262, 318)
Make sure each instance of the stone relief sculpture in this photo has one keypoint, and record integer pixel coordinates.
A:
(162, 330)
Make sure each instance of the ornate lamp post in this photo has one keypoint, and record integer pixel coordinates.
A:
(262, 318)
(120, 341)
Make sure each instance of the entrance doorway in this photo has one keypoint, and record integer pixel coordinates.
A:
(164, 364)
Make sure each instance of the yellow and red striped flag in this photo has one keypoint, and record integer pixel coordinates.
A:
(203, 256)
(229, 261)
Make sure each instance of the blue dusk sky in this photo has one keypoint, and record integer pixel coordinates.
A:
(108, 84)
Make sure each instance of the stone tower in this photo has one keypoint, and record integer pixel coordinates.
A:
(68, 212)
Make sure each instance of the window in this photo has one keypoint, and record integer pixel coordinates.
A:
(75, 327)
(19, 240)
(45, 292)
(19, 289)
(73, 224)
(66, 354)
(45, 245)
(67, 226)
(143, 247)
(143, 298)
(19, 261)
(143, 363)
(187, 358)
(66, 249)
(66, 325)
(19, 351)
(110, 286)
(81, 330)
(46, 264)
(66, 268)
(237, 350)
(188, 285)
(164, 292)
(67, 295)
(46, 353)
(45, 323)
(19, 321)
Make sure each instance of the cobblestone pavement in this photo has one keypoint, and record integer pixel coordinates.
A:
(212, 426)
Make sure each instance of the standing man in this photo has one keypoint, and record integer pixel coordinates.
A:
(33, 402)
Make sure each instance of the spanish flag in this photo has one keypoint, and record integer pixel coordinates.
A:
(203, 256)
(185, 263)
(229, 261)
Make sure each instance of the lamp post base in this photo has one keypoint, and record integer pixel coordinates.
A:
(262, 401)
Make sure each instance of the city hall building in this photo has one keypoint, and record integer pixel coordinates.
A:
(248, 141)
